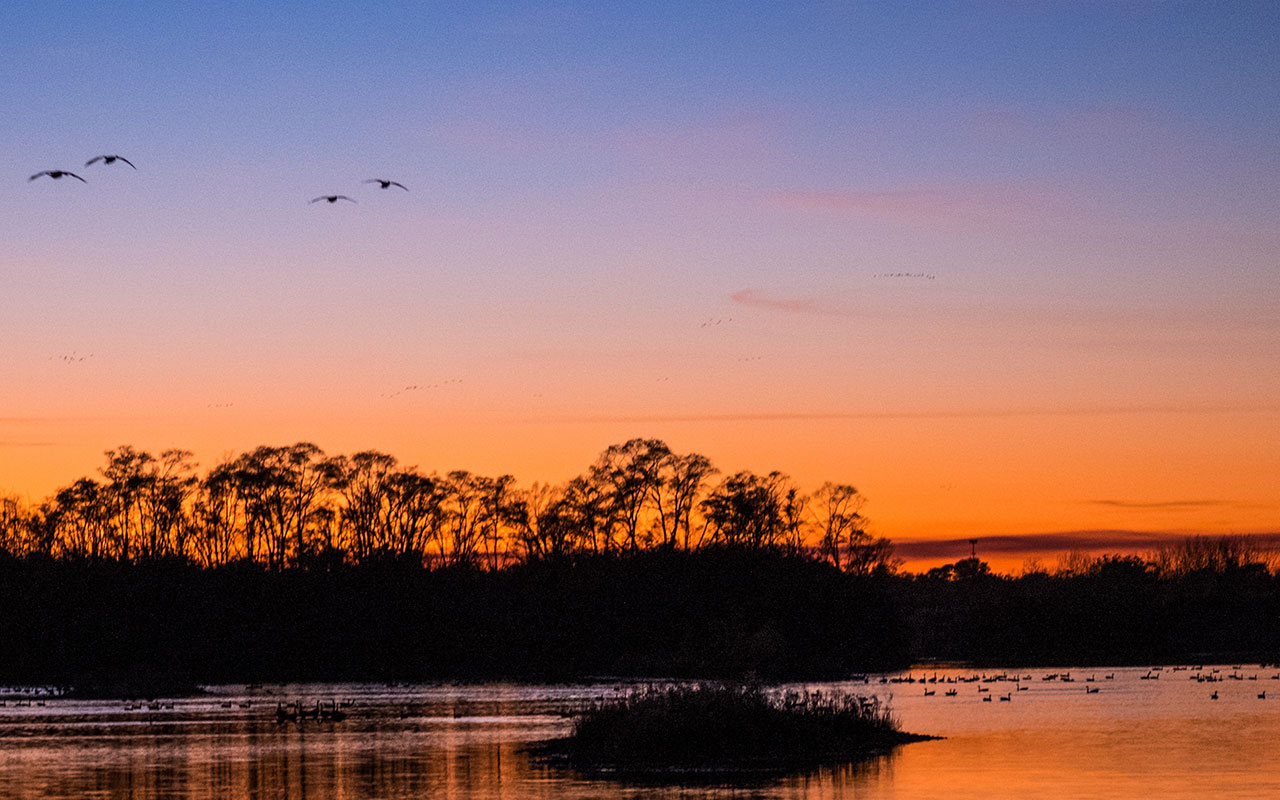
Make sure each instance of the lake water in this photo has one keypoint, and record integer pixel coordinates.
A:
(1156, 737)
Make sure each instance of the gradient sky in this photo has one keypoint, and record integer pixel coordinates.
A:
(1008, 267)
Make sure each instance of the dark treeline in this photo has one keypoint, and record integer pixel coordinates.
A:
(712, 612)
(286, 564)
(723, 611)
(1198, 600)
(294, 506)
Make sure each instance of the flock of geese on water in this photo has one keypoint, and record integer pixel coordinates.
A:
(296, 711)
(58, 174)
(24, 696)
(1198, 674)
(333, 710)
(320, 712)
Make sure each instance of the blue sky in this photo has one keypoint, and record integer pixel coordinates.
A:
(1091, 185)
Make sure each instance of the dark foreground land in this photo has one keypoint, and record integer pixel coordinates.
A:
(715, 613)
(286, 564)
(115, 627)
(719, 730)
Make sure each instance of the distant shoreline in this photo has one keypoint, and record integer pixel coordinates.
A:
(144, 690)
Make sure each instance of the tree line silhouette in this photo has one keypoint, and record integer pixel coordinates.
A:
(294, 506)
(286, 564)
(1196, 600)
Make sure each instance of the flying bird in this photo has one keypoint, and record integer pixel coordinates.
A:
(109, 160)
(56, 174)
(383, 184)
(331, 198)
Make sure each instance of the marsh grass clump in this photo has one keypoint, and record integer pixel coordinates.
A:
(728, 728)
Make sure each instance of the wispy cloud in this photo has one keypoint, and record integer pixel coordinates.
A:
(993, 413)
(758, 298)
(1040, 544)
(1162, 505)
(929, 204)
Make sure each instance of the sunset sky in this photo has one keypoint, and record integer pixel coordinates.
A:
(1010, 268)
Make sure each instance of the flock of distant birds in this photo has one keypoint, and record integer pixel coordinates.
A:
(297, 711)
(926, 276)
(416, 387)
(320, 712)
(109, 159)
(1198, 674)
(71, 358)
(331, 199)
(334, 710)
(59, 174)
(382, 184)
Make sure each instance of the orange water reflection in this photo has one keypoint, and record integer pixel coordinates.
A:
(1135, 738)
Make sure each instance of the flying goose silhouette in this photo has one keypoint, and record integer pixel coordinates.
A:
(109, 160)
(385, 184)
(56, 174)
(331, 198)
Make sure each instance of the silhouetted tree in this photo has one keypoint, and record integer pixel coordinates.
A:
(842, 536)
(126, 473)
(629, 475)
(529, 536)
(464, 515)
(752, 510)
(585, 505)
(19, 528)
(279, 487)
(793, 523)
(164, 493)
(76, 521)
(416, 512)
(836, 508)
(500, 511)
(869, 555)
(1219, 554)
(676, 495)
(361, 483)
(219, 535)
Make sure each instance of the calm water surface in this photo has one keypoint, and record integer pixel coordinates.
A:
(1161, 736)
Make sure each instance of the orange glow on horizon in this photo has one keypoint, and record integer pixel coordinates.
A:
(925, 477)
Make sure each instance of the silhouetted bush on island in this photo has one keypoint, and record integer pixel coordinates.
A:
(725, 728)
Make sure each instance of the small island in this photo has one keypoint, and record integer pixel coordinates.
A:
(725, 730)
